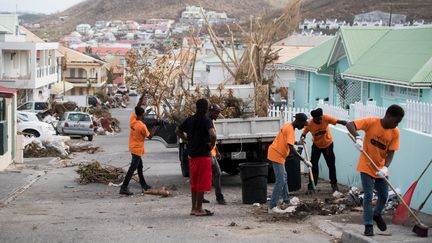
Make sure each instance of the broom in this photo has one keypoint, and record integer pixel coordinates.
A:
(401, 215)
(420, 229)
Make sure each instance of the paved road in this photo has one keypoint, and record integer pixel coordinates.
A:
(57, 209)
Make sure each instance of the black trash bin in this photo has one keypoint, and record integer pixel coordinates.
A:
(292, 167)
(254, 182)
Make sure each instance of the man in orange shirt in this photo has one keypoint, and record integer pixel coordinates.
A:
(277, 154)
(322, 139)
(138, 132)
(380, 142)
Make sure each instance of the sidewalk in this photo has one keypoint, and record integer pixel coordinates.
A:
(353, 233)
(18, 177)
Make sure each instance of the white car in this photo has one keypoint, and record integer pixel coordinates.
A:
(122, 89)
(30, 124)
(133, 91)
(33, 106)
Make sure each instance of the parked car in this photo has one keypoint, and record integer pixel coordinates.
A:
(122, 89)
(76, 124)
(30, 124)
(133, 91)
(33, 106)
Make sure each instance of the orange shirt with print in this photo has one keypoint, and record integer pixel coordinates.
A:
(138, 132)
(278, 151)
(321, 135)
(377, 142)
(213, 151)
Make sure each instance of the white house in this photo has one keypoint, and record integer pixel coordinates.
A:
(26, 65)
(83, 28)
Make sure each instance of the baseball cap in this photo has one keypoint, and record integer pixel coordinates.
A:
(301, 117)
(214, 107)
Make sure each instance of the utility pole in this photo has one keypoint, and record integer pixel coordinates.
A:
(391, 13)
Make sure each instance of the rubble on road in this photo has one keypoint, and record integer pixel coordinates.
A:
(106, 124)
(54, 146)
(94, 172)
(163, 192)
(82, 146)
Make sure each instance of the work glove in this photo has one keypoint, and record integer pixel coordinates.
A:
(359, 143)
(308, 163)
(382, 172)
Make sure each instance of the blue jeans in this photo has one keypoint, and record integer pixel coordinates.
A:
(280, 186)
(381, 187)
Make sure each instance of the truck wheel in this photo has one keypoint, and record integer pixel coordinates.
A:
(90, 137)
(271, 176)
(184, 161)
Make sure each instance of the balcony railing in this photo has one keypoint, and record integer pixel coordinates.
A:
(80, 79)
(45, 71)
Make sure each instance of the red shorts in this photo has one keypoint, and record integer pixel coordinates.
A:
(200, 169)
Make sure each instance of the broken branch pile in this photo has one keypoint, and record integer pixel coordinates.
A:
(94, 172)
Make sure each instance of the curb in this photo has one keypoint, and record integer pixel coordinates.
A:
(11, 196)
(352, 237)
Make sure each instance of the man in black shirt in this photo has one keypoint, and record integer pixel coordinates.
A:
(201, 138)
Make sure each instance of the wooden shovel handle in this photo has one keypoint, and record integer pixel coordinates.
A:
(388, 182)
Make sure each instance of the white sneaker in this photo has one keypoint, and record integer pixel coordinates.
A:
(275, 210)
(294, 201)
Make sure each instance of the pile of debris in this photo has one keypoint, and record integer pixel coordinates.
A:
(53, 147)
(338, 203)
(82, 146)
(106, 124)
(94, 172)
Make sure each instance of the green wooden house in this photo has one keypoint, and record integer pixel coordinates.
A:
(386, 65)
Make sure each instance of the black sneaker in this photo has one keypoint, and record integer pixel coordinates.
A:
(368, 230)
(125, 191)
(334, 187)
(380, 222)
(145, 188)
(221, 200)
(205, 201)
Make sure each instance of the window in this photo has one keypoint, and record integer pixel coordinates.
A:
(41, 106)
(72, 72)
(26, 106)
(2, 109)
(402, 92)
(208, 68)
(301, 75)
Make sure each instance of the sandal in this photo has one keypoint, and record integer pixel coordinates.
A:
(207, 213)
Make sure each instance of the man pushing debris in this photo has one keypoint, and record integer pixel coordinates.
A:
(201, 138)
(322, 144)
(380, 142)
(277, 154)
(138, 132)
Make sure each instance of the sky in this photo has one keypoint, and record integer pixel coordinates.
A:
(36, 6)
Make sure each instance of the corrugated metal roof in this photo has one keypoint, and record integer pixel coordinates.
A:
(314, 58)
(402, 54)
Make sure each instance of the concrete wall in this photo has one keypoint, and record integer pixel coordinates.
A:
(403, 171)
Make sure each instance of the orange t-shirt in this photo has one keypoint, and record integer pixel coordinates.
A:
(377, 142)
(138, 132)
(213, 151)
(321, 135)
(279, 150)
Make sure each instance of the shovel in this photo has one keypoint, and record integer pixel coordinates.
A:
(310, 168)
(420, 229)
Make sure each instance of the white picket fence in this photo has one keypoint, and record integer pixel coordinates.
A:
(360, 111)
(287, 113)
(418, 115)
(335, 111)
